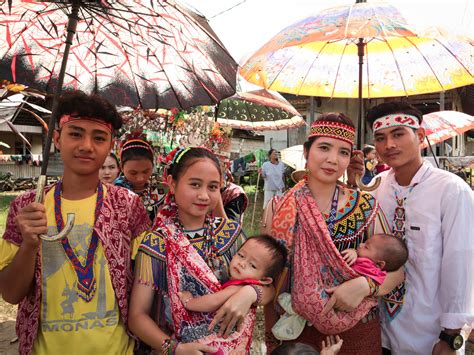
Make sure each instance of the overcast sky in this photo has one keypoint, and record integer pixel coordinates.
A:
(249, 25)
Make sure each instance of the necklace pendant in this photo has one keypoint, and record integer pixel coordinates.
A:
(215, 262)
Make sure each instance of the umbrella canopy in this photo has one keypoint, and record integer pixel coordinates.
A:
(258, 110)
(443, 125)
(319, 56)
(134, 53)
(293, 157)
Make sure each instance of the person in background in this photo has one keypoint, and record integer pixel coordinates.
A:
(380, 166)
(370, 163)
(273, 172)
(331, 346)
(234, 199)
(137, 159)
(110, 170)
(433, 211)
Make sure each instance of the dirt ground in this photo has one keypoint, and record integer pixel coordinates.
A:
(7, 328)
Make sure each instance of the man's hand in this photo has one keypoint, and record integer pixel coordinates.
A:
(356, 166)
(31, 222)
(442, 348)
(349, 256)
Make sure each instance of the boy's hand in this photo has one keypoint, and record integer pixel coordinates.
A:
(332, 345)
(31, 222)
(350, 256)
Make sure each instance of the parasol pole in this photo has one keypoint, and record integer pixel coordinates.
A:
(361, 122)
(432, 152)
(73, 18)
(255, 199)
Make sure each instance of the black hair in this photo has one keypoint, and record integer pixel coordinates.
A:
(394, 252)
(388, 108)
(112, 155)
(81, 104)
(278, 251)
(187, 157)
(294, 349)
(140, 150)
(367, 149)
(336, 117)
(271, 151)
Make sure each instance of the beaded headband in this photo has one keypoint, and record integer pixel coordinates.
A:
(65, 119)
(176, 155)
(179, 154)
(394, 120)
(136, 143)
(335, 130)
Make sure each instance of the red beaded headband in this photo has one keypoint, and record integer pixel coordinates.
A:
(65, 119)
(335, 130)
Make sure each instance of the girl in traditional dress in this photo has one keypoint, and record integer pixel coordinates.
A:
(137, 162)
(191, 251)
(318, 219)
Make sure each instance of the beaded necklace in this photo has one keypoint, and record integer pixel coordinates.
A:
(332, 214)
(210, 251)
(147, 198)
(86, 282)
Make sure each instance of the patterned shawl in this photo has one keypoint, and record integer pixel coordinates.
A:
(233, 191)
(317, 264)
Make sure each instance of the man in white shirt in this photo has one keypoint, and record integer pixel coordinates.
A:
(273, 172)
(434, 211)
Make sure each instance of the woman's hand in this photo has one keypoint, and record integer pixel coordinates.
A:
(194, 349)
(233, 311)
(347, 296)
(185, 297)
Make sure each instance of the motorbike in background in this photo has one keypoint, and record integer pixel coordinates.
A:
(6, 181)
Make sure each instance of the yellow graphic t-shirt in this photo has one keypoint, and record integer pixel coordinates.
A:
(67, 322)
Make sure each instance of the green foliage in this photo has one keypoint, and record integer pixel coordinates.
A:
(5, 199)
(249, 229)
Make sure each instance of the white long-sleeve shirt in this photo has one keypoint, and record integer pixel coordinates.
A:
(439, 231)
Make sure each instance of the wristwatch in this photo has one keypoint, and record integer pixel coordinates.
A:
(455, 341)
